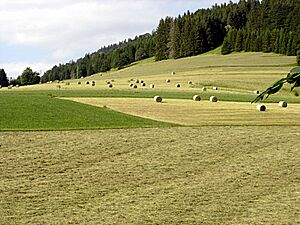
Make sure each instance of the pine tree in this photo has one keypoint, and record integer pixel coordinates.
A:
(175, 40)
(3, 78)
(266, 41)
(238, 46)
(162, 39)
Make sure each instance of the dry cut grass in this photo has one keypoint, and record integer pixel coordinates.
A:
(204, 175)
(188, 112)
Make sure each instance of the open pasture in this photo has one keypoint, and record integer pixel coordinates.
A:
(180, 175)
(242, 73)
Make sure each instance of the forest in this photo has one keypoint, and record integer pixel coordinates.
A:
(249, 25)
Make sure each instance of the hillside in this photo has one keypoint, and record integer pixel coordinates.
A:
(252, 26)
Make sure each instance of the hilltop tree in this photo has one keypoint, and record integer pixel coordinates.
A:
(29, 77)
(3, 78)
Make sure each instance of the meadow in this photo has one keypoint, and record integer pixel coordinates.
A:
(100, 155)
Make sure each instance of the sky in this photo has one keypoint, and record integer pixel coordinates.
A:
(43, 33)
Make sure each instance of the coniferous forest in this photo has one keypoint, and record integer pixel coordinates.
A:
(249, 25)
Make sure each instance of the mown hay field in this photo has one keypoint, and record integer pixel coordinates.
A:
(211, 168)
(193, 113)
(202, 175)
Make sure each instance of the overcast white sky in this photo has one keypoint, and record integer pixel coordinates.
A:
(42, 33)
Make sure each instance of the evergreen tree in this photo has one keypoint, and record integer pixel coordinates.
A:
(175, 39)
(298, 57)
(266, 41)
(238, 46)
(3, 78)
(162, 39)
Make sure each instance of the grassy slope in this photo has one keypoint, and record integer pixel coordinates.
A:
(236, 75)
(206, 175)
(39, 112)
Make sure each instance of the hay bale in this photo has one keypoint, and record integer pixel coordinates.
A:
(215, 88)
(141, 81)
(256, 92)
(261, 107)
(67, 83)
(107, 82)
(81, 77)
(137, 81)
(110, 85)
(79, 83)
(196, 98)
(282, 104)
(177, 85)
(157, 99)
(87, 82)
(213, 99)
(134, 86)
(168, 80)
(0, 86)
(190, 82)
(112, 80)
(93, 84)
(58, 86)
(131, 84)
(151, 85)
(10, 87)
(204, 89)
(173, 73)
(17, 86)
(143, 84)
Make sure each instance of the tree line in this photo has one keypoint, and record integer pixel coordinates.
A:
(249, 25)
(27, 77)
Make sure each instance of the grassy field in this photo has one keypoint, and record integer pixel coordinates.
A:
(204, 175)
(191, 113)
(35, 112)
(178, 162)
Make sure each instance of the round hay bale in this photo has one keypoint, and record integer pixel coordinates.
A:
(196, 98)
(256, 92)
(17, 86)
(261, 107)
(130, 85)
(173, 73)
(137, 81)
(282, 104)
(168, 80)
(78, 82)
(151, 85)
(81, 77)
(141, 81)
(213, 99)
(87, 82)
(134, 86)
(112, 80)
(190, 82)
(143, 84)
(204, 89)
(107, 82)
(157, 99)
(177, 85)
(58, 86)
(10, 87)
(215, 88)
(93, 84)
(110, 85)
(67, 83)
